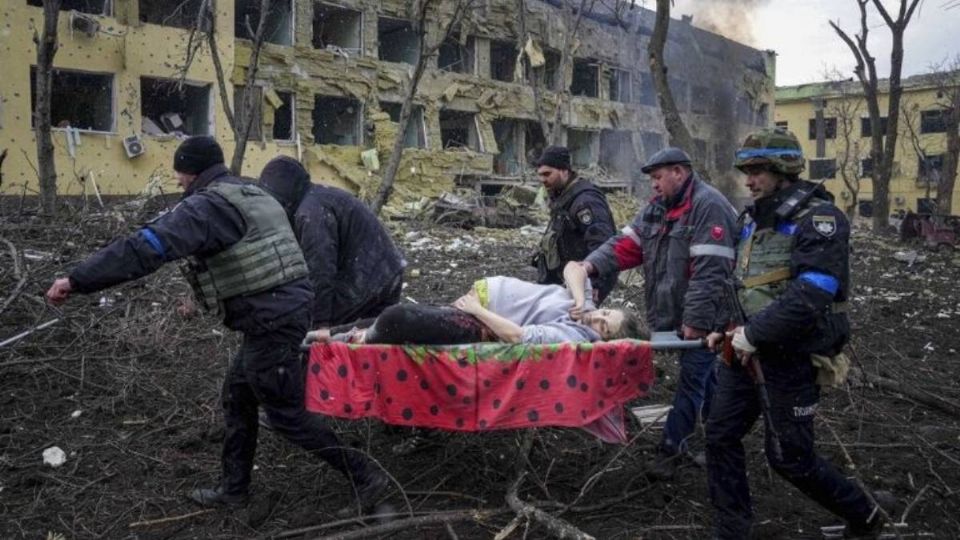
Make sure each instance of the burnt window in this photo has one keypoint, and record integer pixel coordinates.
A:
(822, 168)
(533, 141)
(583, 147)
(335, 26)
(284, 117)
(508, 160)
(336, 120)
(181, 14)
(829, 128)
(933, 121)
(865, 126)
(930, 169)
(456, 56)
(79, 99)
(93, 7)
(167, 108)
(503, 59)
(415, 135)
(240, 113)
(397, 41)
(621, 87)
(278, 25)
(586, 77)
(458, 129)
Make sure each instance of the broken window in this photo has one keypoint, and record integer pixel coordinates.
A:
(621, 89)
(702, 100)
(278, 25)
(240, 116)
(822, 168)
(829, 128)
(930, 169)
(167, 109)
(397, 41)
(503, 58)
(647, 94)
(182, 14)
(94, 7)
(933, 121)
(415, 135)
(458, 129)
(338, 27)
(533, 141)
(583, 147)
(616, 153)
(865, 126)
(78, 99)
(551, 70)
(456, 56)
(585, 77)
(506, 133)
(284, 117)
(336, 120)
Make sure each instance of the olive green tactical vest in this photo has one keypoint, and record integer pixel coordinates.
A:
(267, 256)
(763, 260)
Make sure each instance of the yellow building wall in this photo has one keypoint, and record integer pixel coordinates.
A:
(128, 52)
(904, 187)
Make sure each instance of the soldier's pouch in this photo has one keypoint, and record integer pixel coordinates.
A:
(549, 249)
(831, 370)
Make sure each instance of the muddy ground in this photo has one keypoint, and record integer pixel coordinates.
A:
(130, 391)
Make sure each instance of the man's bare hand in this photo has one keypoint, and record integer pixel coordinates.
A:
(715, 340)
(576, 312)
(58, 293)
(321, 335)
(469, 303)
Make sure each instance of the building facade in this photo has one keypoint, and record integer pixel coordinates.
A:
(331, 80)
(833, 125)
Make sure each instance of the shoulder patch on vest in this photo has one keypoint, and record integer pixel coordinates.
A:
(716, 232)
(585, 216)
(825, 225)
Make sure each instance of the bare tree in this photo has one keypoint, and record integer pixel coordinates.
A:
(47, 46)
(948, 99)
(241, 115)
(882, 149)
(846, 109)
(926, 176)
(422, 13)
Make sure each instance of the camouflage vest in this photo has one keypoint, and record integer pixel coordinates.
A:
(561, 243)
(763, 259)
(267, 256)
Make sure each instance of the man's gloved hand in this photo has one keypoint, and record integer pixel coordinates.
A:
(740, 342)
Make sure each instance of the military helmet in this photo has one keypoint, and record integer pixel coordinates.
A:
(776, 148)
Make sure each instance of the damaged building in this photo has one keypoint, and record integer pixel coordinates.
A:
(333, 76)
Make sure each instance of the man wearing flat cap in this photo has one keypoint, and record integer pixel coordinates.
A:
(684, 239)
(580, 221)
(243, 263)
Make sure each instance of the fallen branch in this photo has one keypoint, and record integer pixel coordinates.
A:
(171, 519)
(560, 528)
(439, 518)
(926, 398)
(18, 274)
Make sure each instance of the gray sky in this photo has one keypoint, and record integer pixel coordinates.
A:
(807, 47)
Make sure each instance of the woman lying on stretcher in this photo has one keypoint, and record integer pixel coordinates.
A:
(497, 308)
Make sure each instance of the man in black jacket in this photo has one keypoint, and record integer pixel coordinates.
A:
(580, 221)
(243, 263)
(355, 269)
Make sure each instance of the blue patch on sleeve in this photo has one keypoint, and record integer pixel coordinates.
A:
(824, 282)
(787, 227)
(154, 241)
(747, 230)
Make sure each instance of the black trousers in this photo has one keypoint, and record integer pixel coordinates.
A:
(423, 325)
(794, 396)
(268, 372)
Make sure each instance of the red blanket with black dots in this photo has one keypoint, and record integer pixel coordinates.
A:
(481, 386)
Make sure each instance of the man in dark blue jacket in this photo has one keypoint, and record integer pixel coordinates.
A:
(244, 264)
(355, 269)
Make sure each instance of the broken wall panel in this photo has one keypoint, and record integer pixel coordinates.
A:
(183, 111)
(278, 24)
(397, 42)
(335, 26)
(79, 99)
(337, 120)
(181, 14)
(456, 55)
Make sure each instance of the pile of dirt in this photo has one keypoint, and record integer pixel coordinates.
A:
(129, 391)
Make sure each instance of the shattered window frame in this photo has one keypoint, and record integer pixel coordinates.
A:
(398, 51)
(256, 129)
(503, 73)
(346, 102)
(417, 122)
(274, 30)
(621, 85)
(289, 99)
(820, 168)
(183, 17)
(829, 128)
(504, 163)
(585, 81)
(81, 6)
(69, 101)
(337, 15)
(474, 139)
(204, 117)
(465, 53)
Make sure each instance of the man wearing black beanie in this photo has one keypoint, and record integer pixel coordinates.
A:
(580, 221)
(244, 264)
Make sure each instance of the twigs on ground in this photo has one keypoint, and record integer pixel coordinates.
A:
(168, 520)
(18, 273)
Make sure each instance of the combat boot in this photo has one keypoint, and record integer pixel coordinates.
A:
(368, 490)
(873, 526)
(212, 497)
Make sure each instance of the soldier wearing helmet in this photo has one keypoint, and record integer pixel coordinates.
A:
(793, 280)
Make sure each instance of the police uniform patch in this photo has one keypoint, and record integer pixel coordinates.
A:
(825, 225)
(585, 216)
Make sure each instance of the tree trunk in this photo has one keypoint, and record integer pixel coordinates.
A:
(242, 132)
(949, 177)
(46, 49)
(679, 135)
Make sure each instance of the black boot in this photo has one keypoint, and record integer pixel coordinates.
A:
(368, 488)
(216, 497)
(873, 526)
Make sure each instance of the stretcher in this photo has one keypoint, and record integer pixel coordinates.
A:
(485, 386)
